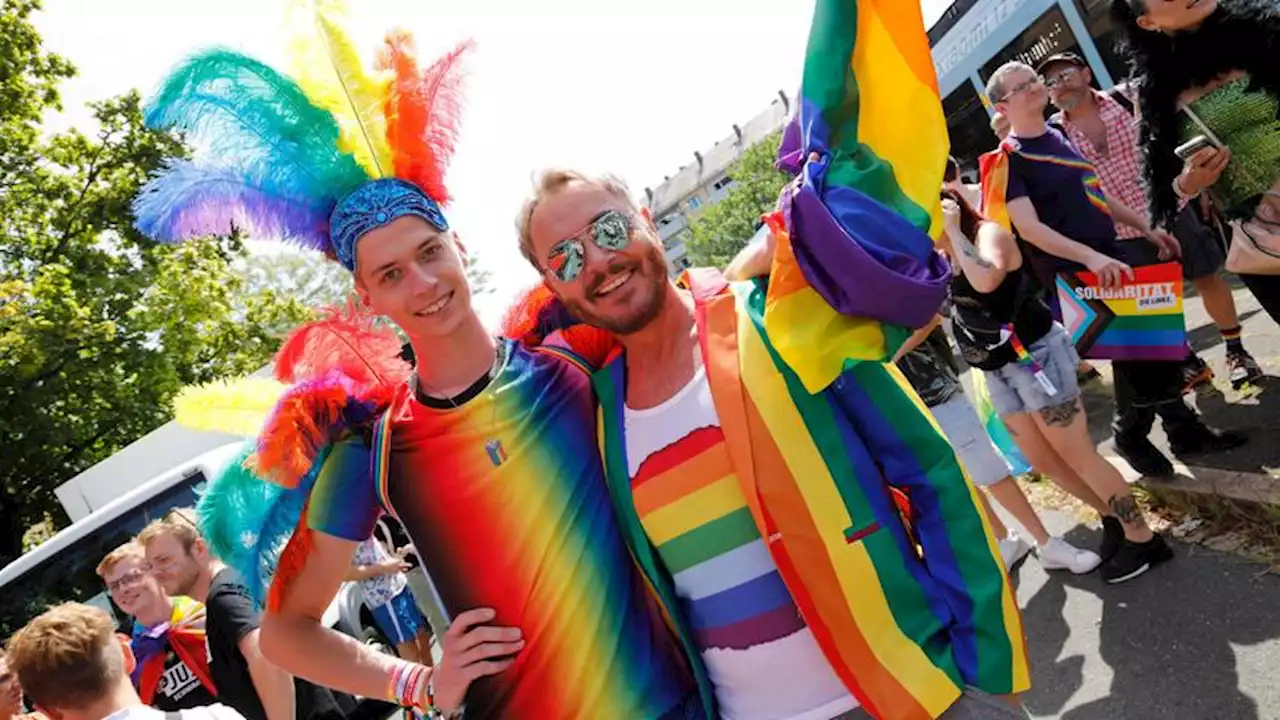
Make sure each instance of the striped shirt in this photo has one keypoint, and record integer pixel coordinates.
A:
(759, 653)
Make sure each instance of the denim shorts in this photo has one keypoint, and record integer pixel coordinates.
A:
(961, 425)
(399, 618)
(1014, 389)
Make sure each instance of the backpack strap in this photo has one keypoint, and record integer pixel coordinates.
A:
(1122, 99)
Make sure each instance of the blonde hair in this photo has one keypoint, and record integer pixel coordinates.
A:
(179, 523)
(549, 182)
(130, 549)
(67, 657)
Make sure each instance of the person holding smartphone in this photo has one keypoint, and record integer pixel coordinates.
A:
(1208, 70)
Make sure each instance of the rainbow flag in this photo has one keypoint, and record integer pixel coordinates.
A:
(995, 427)
(184, 634)
(1139, 320)
(868, 205)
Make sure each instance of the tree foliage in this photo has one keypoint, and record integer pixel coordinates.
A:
(725, 227)
(99, 326)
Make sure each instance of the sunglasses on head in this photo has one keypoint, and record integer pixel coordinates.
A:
(610, 231)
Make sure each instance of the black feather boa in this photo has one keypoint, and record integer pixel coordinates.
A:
(1240, 35)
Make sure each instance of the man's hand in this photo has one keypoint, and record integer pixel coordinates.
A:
(1168, 245)
(1110, 272)
(472, 650)
(1202, 170)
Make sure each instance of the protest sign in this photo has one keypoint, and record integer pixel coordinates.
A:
(1140, 319)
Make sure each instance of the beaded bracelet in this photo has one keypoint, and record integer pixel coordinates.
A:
(405, 683)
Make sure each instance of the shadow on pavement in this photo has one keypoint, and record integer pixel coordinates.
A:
(1166, 636)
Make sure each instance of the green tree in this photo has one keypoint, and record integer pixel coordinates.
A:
(725, 227)
(310, 278)
(99, 326)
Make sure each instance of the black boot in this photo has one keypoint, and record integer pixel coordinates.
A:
(1199, 438)
(1143, 456)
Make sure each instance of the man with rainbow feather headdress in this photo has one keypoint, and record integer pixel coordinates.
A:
(486, 452)
(488, 443)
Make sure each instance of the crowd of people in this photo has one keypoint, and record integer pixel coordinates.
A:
(647, 498)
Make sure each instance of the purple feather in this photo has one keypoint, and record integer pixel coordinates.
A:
(188, 200)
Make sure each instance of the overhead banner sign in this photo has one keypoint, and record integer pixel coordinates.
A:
(1139, 320)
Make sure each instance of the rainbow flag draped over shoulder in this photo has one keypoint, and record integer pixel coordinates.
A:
(866, 208)
(185, 635)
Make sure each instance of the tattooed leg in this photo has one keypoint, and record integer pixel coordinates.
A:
(1061, 415)
(1125, 508)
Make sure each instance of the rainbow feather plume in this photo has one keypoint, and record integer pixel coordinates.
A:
(267, 160)
(236, 407)
(329, 70)
(422, 111)
(247, 522)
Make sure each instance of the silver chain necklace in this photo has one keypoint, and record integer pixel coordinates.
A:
(492, 445)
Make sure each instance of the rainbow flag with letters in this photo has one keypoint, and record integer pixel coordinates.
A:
(868, 205)
(1139, 320)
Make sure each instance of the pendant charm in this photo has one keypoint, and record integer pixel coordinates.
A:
(497, 455)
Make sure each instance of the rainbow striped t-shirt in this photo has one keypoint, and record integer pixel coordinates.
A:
(505, 501)
(761, 657)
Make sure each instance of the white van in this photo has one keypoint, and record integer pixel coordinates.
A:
(62, 568)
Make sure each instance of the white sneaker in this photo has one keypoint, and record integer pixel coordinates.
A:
(1013, 548)
(1058, 554)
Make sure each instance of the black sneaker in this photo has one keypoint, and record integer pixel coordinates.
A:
(1144, 457)
(1200, 438)
(1134, 559)
(1195, 373)
(1242, 369)
(1112, 536)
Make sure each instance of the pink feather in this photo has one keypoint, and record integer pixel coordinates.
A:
(423, 111)
(347, 340)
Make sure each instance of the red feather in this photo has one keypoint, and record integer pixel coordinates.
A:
(423, 110)
(347, 340)
(537, 317)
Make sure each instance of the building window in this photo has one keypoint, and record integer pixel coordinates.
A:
(968, 125)
(664, 221)
(1047, 36)
(1097, 17)
(695, 202)
(723, 183)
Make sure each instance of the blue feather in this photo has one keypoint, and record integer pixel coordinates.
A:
(247, 521)
(251, 126)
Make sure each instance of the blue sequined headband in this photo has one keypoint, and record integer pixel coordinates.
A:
(373, 205)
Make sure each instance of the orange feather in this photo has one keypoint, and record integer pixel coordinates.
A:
(423, 111)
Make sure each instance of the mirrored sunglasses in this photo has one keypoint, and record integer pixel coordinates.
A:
(610, 231)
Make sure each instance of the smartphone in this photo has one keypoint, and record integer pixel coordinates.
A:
(1193, 146)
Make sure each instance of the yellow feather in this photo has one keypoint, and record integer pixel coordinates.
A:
(327, 66)
(236, 407)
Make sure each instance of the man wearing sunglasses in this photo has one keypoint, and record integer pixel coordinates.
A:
(729, 477)
(168, 635)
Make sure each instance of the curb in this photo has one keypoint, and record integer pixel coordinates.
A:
(1252, 487)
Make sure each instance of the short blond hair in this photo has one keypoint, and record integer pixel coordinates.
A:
(549, 182)
(130, 549)
(68, 657)
(179, 523)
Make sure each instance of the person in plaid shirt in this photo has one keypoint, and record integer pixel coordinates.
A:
(1103, 128)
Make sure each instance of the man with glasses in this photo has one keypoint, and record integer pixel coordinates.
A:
(1057, 204)
(168, 637)
(1103, 127)
(246, 681)
(711, 449)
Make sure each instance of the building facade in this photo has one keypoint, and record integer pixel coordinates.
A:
(683, 196)
(975, 37)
